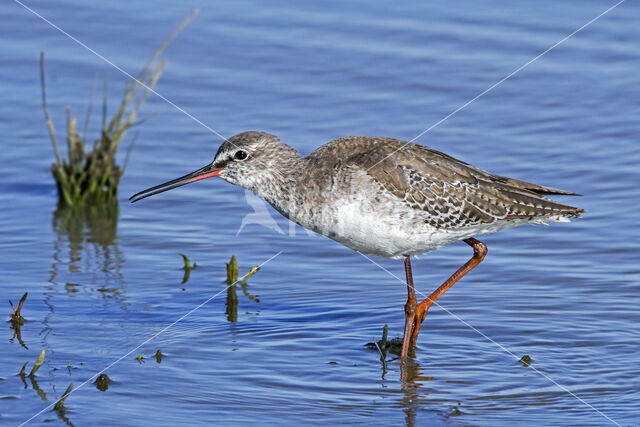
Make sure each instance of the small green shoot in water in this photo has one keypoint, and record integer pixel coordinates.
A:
(187, 268)
(382, 358)
(526, 360)
(243, 284)
(187, 263)
(251, 272)
(16, 318)
(21, 373)
(38, 363)
(140, 358)
(385, 332)
(232, 278)
(232, 270)
(158, 356)
(60, 403)
(382, 347)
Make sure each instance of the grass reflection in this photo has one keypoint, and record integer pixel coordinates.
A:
(88, 234)
(59, 406)
(231, 306)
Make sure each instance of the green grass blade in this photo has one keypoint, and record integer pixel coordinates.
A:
(60, 402)
(251, 272)
(52, 132)
(382, 356)
(129, 149)
(38, 363)
(187, 263)
(21, 373)
(232, 271)
(105, 89)
(94, 89)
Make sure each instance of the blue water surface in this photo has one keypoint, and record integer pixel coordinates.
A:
(295, 352)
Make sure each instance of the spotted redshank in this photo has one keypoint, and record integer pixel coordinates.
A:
(382, 197)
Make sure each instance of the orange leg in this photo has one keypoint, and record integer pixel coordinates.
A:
(409, 310)
(419, 312)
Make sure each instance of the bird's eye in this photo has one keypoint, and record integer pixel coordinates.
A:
(241, 155)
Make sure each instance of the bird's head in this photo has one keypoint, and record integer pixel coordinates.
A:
(245, 159)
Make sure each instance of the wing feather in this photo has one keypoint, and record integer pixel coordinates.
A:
(450, 192)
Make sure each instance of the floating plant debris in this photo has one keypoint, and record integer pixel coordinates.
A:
(16, 317)
(526, 360)
(102, 382)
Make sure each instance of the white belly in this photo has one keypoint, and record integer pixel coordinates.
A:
(380, 232)
(389, 231)
(383, 226)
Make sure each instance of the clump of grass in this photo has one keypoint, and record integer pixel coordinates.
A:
(158, 356)
(90, 174)
(16, 317)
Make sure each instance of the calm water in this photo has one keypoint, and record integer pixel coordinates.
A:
(99, 286)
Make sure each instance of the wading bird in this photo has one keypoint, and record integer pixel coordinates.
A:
(382, 197)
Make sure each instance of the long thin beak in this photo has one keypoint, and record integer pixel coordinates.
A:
(202, 173)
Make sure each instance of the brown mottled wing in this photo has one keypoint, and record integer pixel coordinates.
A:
(451, 193)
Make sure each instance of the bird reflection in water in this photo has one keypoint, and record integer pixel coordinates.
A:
(411, 377)
(412, 380)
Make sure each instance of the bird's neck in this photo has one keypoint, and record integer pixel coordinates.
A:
(278, 184)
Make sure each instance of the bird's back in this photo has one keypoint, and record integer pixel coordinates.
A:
(449, 193)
